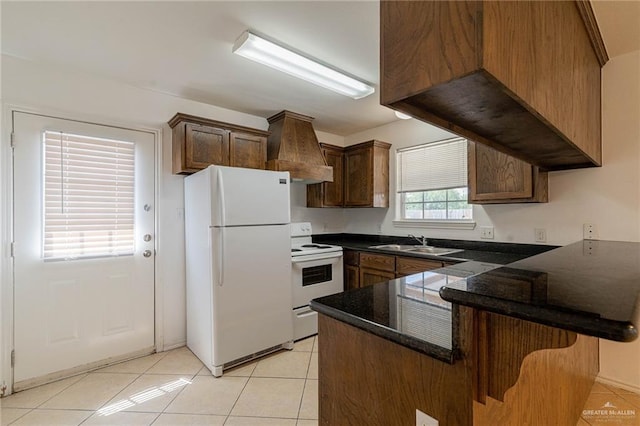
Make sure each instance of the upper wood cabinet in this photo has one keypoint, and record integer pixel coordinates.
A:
(497, 178)
(520, 76)
(360, 173)
(329, 194)
(366, 174)
(200, 142)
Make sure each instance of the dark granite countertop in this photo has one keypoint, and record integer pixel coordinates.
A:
(502, 253)
(590, 287)
(407, 310)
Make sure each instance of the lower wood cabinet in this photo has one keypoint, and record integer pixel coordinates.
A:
(351, 262)
(362, 269)
(497, 178)
(200, 142)
(370, 276)
(351, 277)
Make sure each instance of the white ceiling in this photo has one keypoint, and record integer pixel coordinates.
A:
(184, 49)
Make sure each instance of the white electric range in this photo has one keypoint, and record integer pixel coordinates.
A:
(316, 272)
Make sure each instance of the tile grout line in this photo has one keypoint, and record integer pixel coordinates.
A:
(179, 392)
(126, 386)
(57, 393)
(306, 376)
(238, 397)
(110, 398)
(23, 414)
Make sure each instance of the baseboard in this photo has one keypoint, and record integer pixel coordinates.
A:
(174, 346)
(618, 384)
(81, 369)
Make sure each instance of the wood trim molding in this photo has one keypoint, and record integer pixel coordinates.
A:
(591, 25)
(180, 117)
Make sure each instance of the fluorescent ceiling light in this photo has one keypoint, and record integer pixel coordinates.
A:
(402, 115)
(275, 56)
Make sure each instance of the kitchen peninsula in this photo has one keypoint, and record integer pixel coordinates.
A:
(478, 344)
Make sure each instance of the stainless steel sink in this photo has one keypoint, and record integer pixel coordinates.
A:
(397, 247)
(436, 251)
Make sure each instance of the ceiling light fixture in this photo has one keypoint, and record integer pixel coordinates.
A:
(402, 116)
(275, 56)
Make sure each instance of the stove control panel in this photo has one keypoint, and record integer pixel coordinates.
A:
(301, 229)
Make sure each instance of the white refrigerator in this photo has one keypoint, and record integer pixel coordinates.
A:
(238, 264)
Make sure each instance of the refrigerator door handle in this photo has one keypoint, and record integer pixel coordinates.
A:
(221, 203)
(222, 249)
(223, 221)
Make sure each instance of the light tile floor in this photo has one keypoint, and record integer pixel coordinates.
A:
(173, 388)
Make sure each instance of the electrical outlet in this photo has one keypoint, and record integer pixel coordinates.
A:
(541, 235)
(423, 419)
(486, 232)
(589, 231)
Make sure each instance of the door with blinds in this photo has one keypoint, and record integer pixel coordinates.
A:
(84, 245)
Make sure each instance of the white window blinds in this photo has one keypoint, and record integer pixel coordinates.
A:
(436, 165)
(88, 196)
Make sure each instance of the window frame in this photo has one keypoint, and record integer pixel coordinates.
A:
(79, 155)
(402, 221)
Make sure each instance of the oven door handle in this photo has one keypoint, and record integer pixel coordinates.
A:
(309, 258)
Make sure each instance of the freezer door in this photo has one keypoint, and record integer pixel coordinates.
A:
(249, 196)
(252, 290)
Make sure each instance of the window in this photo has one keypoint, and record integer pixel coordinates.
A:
(432, 182)
(88, 196)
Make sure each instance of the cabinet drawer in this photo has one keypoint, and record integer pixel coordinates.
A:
(411, 265)
(380, 262)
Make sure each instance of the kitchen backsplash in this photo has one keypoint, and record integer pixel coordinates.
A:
(323, 221)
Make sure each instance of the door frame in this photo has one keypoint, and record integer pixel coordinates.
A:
(7, 273)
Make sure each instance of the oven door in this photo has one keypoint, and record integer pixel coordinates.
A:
(316, 276)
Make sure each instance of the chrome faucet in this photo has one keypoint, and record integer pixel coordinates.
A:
(422, 239)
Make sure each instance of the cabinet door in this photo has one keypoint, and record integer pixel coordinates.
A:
(332, 192)
(351, 277)
(495, 177)
(358, 171)
(329, 194)
(411, 265)
(248, 151)
(372, 276)
(204, 146)
(351, 257)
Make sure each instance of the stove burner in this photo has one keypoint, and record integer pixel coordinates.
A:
(295, 250)
(315, 246)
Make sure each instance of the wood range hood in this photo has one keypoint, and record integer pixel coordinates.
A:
(293, 146)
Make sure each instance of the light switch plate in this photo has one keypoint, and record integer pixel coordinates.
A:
(486, 232)
(589, 231)
(541, 235)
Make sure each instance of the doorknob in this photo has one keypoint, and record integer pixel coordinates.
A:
(146, 253)
(147, 237)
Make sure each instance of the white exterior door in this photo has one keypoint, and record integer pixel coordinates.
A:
(84, 245)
